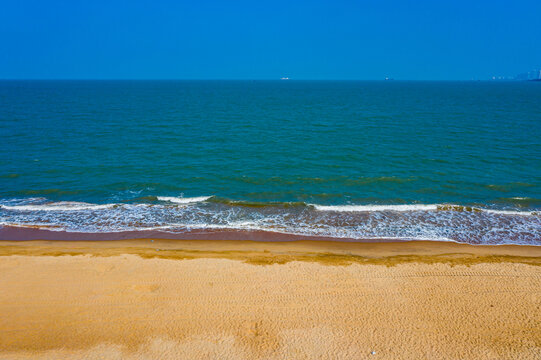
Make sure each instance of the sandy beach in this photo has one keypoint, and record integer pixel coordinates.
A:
(171, 299)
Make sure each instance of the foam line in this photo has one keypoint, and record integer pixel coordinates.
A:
(58, 206)
(183, 200)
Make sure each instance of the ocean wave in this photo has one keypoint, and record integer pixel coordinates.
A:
(368, 208)
(418, 207)
(258, 204)
(58, 206)
(183, 200)
(40, 204)
(484, 210)
(469, 224)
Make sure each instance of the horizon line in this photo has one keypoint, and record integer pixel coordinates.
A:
(240, 79)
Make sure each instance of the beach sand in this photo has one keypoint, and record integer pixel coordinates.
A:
(171, 299)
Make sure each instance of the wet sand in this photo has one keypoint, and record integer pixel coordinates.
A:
(148, 299)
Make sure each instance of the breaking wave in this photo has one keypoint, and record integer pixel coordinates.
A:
(419, 207)
(58, 206)
(451, 222)
(183, 200)
(366, 208)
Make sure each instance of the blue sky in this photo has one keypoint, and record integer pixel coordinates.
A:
(316, 39)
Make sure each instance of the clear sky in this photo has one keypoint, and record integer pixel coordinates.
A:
(268, 39)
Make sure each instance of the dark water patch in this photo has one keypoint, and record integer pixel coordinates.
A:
(509, 187)
(49, 192)
(376, 180)
(144, 200)
(520, 202)
(10, 176)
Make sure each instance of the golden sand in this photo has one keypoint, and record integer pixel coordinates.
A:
(167, 299)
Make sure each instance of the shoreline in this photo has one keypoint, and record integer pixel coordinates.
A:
(28, 233)
(32, 233)
(423, 251)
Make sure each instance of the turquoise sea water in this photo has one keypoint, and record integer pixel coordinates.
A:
(413, 160)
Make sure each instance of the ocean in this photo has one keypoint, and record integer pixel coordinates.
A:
(343, 160)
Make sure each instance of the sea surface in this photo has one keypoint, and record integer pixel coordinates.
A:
(457, 161)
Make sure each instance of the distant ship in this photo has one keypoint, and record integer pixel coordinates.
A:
(284, 78)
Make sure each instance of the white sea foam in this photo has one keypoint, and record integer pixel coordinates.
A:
(183, 200)
(416, 207)
(58, 206)
(242, 226)
(236, 225)
(367, 208)
(408, 222)
(510, 212)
